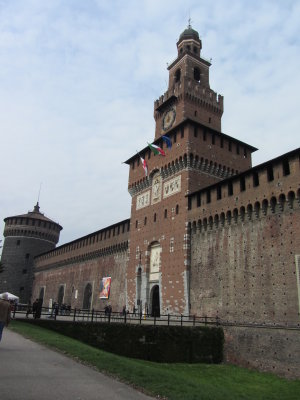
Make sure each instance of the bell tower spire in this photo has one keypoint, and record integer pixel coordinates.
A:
(189, 95)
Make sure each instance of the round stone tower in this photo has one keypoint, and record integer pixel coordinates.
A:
(26, 236)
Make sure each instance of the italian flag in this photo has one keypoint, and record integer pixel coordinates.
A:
(144, 164)
(156, 149)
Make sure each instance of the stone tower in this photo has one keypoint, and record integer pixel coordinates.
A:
(26, 236)
(189, 113)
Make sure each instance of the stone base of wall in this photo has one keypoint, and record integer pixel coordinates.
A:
(265, 349)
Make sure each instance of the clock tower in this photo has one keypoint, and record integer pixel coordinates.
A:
(189, 114)
(189, 95)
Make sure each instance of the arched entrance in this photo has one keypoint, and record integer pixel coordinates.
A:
(60, 297)
(155, 306)
(87, 297)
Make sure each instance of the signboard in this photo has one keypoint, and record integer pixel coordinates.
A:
(105, 288)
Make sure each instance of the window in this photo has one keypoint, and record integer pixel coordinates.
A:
(242, 184)
(145, 221)
(154, 217)
(286, 167)
(195, 131)
(197, 74)
(177, 75)
(177, 209)
(219, 193)
(270, 173)
(166, 213)
(18, 242)
(230, 189)
(136, 223)
(208, 199)
(255, 179)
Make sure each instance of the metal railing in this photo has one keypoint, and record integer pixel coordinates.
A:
(94, 316)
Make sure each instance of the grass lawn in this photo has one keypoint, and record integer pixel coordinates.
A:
(173, 381)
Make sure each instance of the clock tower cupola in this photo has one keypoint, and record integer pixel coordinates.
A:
(189, 95)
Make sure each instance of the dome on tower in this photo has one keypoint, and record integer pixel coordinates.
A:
(189, 33)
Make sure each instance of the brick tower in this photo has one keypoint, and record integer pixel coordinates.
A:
(26, 236)
(189, 113)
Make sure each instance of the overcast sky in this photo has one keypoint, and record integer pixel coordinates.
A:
(78, 79)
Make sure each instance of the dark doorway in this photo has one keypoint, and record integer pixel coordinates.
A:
(87, 297)
(155, 309)
(61, 294)
(42, 294)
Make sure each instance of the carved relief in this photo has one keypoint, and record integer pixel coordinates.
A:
(143, 200)
(156, 189)
(155, 262)
(172, 186)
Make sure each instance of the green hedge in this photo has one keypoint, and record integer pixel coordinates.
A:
(153, 343)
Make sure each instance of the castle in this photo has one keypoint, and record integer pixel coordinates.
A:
(208, 234)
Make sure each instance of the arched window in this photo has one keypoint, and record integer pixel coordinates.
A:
(177, 75)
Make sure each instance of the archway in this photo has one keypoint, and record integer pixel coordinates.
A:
(87, 297)
(155, 306)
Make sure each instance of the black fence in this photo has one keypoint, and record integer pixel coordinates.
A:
(81, 315)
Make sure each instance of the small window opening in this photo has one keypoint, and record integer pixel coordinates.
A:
(208, 197)
(286, 167)
(255, 179)
(270, 173)
(242, 184)
(177, 75)
(197, 74)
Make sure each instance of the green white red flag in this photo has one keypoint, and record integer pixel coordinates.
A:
(156, 150)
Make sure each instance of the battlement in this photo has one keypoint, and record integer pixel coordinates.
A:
(195, 90)
(266, 186)
(104, 241)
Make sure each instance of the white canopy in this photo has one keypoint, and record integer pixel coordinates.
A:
(10, 296)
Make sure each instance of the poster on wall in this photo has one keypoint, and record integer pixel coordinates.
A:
(105, 288)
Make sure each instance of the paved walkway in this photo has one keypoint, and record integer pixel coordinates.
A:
(29, 371)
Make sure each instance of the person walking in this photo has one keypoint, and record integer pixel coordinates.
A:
(5, 317)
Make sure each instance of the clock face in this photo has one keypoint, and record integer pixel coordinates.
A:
(168, 119)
